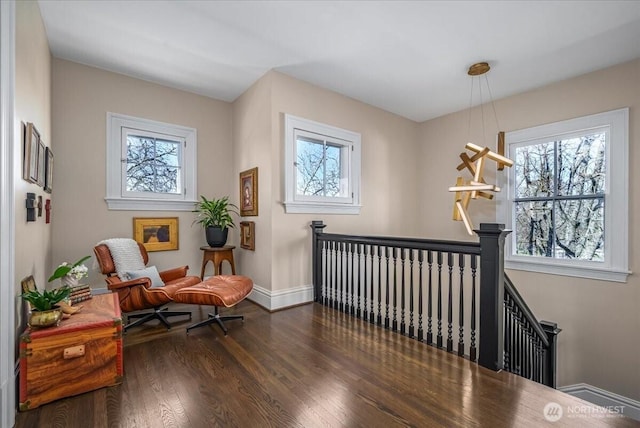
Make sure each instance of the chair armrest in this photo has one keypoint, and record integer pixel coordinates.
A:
(173, 274)
(118, 285)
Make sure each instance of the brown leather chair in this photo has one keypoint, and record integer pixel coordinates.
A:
(137, 294)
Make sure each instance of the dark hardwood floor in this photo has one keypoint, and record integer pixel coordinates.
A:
(307, 366)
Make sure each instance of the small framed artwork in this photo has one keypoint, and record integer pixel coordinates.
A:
(249, 192)
(248, 235)
(156, 233)
(28, 284)
(48, 171)
(30, 158)
(41, 162)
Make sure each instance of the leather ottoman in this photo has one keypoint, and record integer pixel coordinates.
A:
(217, 291)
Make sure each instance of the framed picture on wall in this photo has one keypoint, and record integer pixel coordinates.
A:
(156, 234)
(48, 171)
(30, 153)
(248, 235)
(41, 163)
(249, 192)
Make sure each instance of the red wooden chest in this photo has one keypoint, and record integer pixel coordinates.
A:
(83, 353)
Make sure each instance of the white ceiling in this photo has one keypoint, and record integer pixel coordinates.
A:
(406, 57)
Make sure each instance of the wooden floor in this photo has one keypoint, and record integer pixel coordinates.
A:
(307, 366)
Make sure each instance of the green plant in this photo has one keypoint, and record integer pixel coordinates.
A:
(77, 269)
(215, 212)
(46, 300)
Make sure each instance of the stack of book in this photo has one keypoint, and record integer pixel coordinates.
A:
(80, 293)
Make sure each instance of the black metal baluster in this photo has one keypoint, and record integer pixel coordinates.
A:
(395, 289)
(507, 332)
(450, 304)
(358, 251)
(387, 289)
(517, 340)
(403, 326)
(429, 299)
(379, 317)
(371, 284)
(352, 306)
(472, 341)
(341, 273)
(332, 274)
(420, 330)
(461, 307)
(325, 286)
(411, 326)
(439, 335)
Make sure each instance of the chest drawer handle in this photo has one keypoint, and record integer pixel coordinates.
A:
(74, 352)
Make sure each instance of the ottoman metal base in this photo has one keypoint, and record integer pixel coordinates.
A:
(217, 318)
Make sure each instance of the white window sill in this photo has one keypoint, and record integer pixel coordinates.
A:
(320, 208)
(148, 204)
(574, 271)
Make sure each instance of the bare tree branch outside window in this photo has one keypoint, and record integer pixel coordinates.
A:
(318, 167)
(153, 165)
(560, 198)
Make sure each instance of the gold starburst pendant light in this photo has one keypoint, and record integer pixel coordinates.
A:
(474, 158)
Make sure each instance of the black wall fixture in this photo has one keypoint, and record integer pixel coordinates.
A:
(31, 206)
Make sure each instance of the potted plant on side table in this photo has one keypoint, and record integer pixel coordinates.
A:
(215, 217)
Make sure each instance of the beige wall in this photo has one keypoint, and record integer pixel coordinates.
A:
(600, 320)
(388, 164)
(388, 175)
(82, 96)
(33, 104)
(252, 148)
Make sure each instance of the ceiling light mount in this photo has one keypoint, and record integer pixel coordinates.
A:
(478, 69)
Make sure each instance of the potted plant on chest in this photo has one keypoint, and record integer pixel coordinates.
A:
(44, 309)
(215, 216)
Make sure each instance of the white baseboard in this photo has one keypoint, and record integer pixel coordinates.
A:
(604, 398)
(280, 299)
(270, 300)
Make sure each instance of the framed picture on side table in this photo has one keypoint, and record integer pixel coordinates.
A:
(248, 235)
(156, 234)
(249, 192)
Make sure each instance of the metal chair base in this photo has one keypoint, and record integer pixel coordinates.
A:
(158, 314)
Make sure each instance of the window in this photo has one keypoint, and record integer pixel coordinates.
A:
(150, 165)
(322, 168)
(566, 197)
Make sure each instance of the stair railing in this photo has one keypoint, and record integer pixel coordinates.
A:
(429, 289)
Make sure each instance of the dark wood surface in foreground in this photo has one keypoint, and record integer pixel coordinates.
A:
(307, 366)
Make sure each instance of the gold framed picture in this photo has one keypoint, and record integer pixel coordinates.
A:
(249, 192)
(156, 233)
(248, 235)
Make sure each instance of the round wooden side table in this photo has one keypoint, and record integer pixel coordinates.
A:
(217, 255)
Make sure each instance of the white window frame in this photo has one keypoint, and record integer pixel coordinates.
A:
(615, 267)
(117, 197)
(295, 203)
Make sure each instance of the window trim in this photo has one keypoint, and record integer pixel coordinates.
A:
(114, 196)
(322, 204)
(616, 265)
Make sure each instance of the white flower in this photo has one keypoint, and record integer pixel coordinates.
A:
(79, 271)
